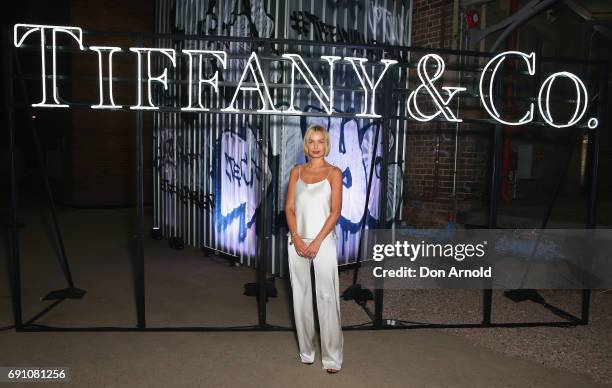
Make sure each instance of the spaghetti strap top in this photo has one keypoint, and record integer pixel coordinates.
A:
(312, 206)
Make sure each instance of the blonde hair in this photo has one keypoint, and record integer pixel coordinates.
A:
(317, 128)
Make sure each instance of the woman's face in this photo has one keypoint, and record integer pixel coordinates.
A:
(316, 145)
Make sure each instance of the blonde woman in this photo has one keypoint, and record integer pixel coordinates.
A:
(312, 208)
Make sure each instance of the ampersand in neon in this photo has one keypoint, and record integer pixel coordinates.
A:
(427, 82)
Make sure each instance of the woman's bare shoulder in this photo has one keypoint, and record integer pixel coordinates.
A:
(335, 173)
(294, 169)
(336, 170)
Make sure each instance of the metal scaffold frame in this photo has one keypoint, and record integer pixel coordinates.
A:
(267, 48)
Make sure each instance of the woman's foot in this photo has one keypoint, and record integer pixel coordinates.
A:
(331, 370)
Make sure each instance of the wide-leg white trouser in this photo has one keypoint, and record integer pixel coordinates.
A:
(328, 303)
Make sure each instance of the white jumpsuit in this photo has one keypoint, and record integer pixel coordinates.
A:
(312, 208)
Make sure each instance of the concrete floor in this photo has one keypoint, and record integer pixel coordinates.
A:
(384, 359)
(185, 289)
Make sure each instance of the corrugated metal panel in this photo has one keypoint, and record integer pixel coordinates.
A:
(206, 165)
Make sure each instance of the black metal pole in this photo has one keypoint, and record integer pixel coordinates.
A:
(496, 156)
(263, 218)
(573, 137)
(263, 224)
(43, 175)
(139, 262)
(367, 201)
(139, 259)
(496, 145)
(15, 266)
(382, 210)
(378, 291)
(353, 289)
(382, 214)
(593, 147)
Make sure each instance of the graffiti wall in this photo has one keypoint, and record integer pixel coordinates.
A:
(207, 167)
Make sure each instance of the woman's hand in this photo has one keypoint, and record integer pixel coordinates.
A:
(300, 245)
(312, 249)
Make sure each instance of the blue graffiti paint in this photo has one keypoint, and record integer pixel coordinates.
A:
(236, 172)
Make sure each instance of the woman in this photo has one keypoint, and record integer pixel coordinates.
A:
(312, 208)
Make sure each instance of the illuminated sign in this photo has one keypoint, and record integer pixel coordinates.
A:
(111, 51)
(326, 99)
(488, 102)
(28, 29)
(212, 81)
(430, 68)
(427, 83)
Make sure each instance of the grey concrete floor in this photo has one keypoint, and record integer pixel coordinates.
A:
(185, 289)
(383, 359)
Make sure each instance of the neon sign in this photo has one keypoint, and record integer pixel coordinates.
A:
(75, 32)
(488, 102)
(111, 50)
(427, 84)
(368, 83)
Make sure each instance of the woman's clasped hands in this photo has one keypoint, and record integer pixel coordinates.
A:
(308, 251)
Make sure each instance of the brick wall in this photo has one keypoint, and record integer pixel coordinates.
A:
(432, 23)
(429, 200)
(102, 157)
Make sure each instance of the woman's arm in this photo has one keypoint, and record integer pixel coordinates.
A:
(300, 245)
(290, 202)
